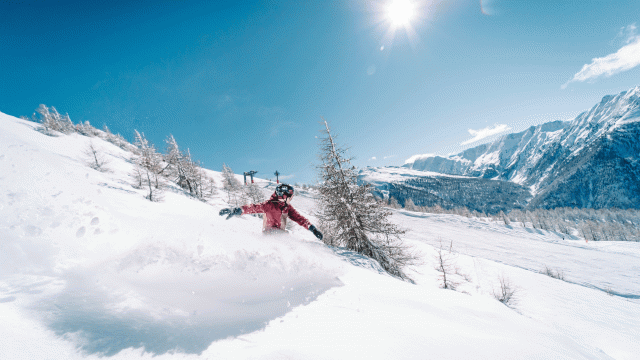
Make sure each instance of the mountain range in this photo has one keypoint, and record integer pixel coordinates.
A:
(592, 161)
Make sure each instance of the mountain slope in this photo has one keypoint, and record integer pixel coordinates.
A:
(592, 161)
(507, 158)
(89, 268)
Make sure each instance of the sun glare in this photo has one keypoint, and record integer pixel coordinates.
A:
(400, 17)
(401, 12)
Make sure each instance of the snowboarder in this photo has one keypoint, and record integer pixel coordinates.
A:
(276, 210)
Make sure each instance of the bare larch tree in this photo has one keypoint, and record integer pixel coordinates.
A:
(148, 165)
(52, 121)
(187, 173)
(231, 186)
(350, 216)
(95, 159)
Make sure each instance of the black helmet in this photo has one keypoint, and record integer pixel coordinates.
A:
(284, 190)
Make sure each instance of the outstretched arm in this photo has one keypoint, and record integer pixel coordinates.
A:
(246, 209)
(295, 216)
(254, 208)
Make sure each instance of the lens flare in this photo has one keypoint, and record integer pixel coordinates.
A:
(486, 7)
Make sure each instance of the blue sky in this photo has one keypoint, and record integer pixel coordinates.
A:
(246, 82)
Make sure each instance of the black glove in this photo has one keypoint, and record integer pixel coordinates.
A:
(315, 232)
(231, 212)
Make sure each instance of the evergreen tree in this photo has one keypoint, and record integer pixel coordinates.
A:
(351, 217)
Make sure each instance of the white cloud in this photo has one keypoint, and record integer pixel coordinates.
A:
(628, 33)
(390, 156)
(418, 157)
(485, 133)
(373, 158)
(626, 58)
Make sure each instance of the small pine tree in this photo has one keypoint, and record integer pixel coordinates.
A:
(351, 217)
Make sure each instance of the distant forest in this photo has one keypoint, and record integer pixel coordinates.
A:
(589, 224)
(475, 194)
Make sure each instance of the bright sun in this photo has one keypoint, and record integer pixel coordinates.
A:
(400, 12)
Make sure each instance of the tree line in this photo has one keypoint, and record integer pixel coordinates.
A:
(475, 194)
(152, 169)
(591, 224)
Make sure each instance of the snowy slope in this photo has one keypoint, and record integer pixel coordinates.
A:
(591, 161)
(91, 269)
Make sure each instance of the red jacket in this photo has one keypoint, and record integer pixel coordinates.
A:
(276, 213)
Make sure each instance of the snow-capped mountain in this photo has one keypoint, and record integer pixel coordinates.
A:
(591, 161)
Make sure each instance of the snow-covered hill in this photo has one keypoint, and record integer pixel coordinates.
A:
(591, 161)
(91, 269)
